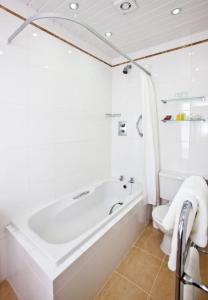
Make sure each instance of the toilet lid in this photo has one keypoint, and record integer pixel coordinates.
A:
(159, 212)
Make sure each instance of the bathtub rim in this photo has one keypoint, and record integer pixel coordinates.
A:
(42, 261)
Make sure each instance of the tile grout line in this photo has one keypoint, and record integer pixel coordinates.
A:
(146, 251)
(139, 236)
(126, 278)
(132, 245)
(108, 279)
(103, 287)
(150, 296)
(154, 281)
(132, 282)
(162, 260)
(139, 247)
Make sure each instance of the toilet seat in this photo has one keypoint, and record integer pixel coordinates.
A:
(159, 213)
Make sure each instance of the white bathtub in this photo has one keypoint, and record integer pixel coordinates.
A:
(59, 234)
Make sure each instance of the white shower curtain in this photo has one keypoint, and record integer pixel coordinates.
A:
(151, 139)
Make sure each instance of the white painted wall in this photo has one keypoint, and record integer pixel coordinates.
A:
(53, 130)
(183, 146)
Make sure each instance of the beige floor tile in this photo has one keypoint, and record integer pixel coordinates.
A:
(166, 258)
(164, 286)
(140, 267)
(203, 273)
(6, 292)
(150, 241)
(202, 296)
(204, 267)
(118, 288)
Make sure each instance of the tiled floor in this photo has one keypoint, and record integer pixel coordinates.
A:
(142, 275)
(204, 273)
(6, 292)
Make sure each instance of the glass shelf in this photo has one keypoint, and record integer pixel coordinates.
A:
(186, 99)
(198, 120)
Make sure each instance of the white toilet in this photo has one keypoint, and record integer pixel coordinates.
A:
(169, 185)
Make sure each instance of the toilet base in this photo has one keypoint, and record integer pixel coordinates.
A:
(155, 225)
(165, 246)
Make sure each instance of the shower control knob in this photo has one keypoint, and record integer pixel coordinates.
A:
(122, 128)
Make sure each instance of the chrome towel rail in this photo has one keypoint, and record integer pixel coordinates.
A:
(182, 251)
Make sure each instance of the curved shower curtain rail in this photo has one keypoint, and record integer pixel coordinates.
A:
(91, 30)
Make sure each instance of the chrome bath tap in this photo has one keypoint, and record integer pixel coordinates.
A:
(121, 178)
(131, 180)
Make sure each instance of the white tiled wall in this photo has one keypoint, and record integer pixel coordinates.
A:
(126, 150)
(53, 130)
(183, 146)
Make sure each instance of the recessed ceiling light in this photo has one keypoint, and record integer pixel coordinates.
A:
(74, 5)
(1, 52)
(108, 34)
(45, 67)
(176, 11)
(35, 34)
(69, 51)
(125, 5)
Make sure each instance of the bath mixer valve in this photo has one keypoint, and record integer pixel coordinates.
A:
(121, 178)
(131, 180)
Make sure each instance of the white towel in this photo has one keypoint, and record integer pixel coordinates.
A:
(195, 190)
(193, 270)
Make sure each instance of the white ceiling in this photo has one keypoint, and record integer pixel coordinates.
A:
(149, 25)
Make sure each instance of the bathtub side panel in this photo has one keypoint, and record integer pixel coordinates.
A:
(3, 262)
(101, 259)
(23, 275)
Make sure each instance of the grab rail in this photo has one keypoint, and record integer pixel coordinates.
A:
(140, 133)
(81, 195)
(114, 205)
(182, 251)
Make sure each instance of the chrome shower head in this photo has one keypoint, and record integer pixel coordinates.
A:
(126, 69)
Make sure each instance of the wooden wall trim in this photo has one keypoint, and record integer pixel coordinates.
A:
(94, 56)
(54, 35)
(164, 52)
